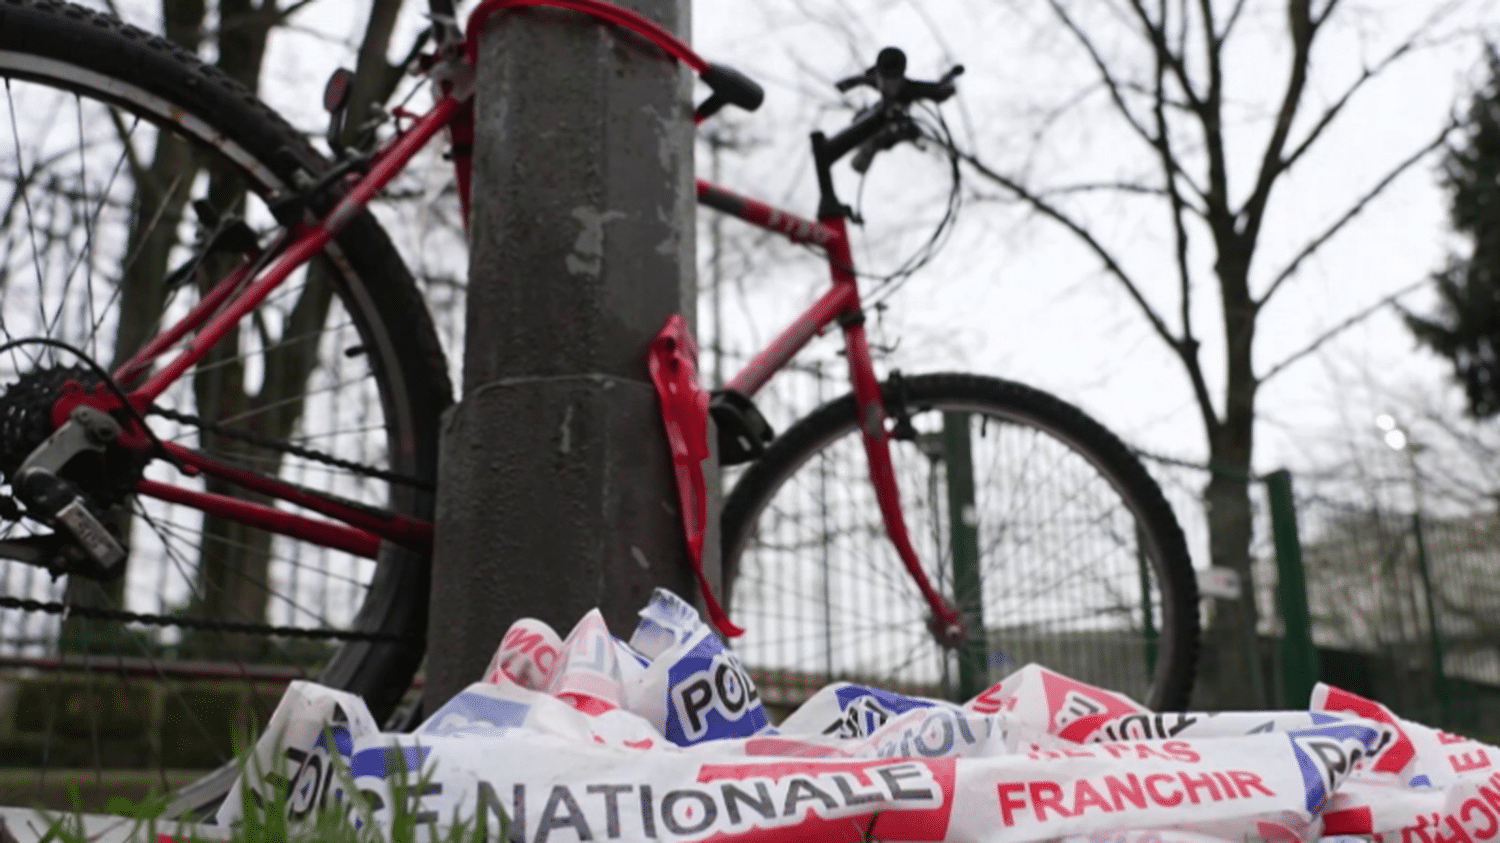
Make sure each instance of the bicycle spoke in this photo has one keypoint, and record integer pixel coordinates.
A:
(322, 620)
(22, 182)
(90, 318)
(198, 593)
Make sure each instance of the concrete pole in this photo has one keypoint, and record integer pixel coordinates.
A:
(556, 492)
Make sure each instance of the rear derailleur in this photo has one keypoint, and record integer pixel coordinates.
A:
(76, 480)
(94, 550)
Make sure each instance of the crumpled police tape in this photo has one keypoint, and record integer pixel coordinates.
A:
(664, 738)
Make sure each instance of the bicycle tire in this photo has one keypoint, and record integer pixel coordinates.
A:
(366, 383)
(811, 574)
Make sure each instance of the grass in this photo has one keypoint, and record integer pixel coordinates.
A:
(93, 788)
(264, 816)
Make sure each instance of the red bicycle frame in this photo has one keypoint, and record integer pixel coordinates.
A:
(841, 304)
(359, 530)
(234, 296)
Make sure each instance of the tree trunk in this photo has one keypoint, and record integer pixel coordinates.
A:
(161, 190)
(1230, 640)
(235, 562)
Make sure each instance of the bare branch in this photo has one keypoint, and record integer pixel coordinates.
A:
(1103, 186)
(1117, 87)
(1186, 348)
(1182, 33)
(1147, 91)
(1333, 110)
(1302, 28)
(1212, 118)
(24, 179)
(1234, 17)
(132, 158)
(1327, 10)
(374, 77)
(1050, 117)
(1370, 72)
(1354, 210)
(1110, 82)
(1341, 327)
(1156, 33)
(1188, 345)
(1047, 209)
(1205, 107)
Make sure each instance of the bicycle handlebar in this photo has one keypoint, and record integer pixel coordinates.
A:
(888, 76)
(883, 126)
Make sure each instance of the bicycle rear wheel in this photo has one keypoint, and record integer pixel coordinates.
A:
(334, 383)
(1065, 553)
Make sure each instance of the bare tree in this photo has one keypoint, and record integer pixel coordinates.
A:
(1163, 69)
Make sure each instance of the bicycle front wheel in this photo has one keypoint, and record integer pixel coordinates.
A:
(1032, 518)
(111, 138)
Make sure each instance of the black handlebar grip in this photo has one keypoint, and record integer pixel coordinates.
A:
(733, 87)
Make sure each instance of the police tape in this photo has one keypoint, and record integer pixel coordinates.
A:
(663, 737)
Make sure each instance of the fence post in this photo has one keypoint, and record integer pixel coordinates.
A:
(556, 493)
(963, 541)
(1299, 658)
(1150, 635)
(1439, 674)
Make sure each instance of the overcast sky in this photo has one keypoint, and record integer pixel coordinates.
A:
(1028, 303)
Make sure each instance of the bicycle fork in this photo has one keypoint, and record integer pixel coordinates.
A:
(684, 410)
(945, 623)
(841, 305)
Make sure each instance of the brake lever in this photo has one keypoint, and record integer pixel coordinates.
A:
(937, 91)
(897, 132)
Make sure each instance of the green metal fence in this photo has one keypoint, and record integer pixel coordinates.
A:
(1403, 603)
(1369, 581)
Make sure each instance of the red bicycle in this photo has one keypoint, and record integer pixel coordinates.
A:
(232, 415)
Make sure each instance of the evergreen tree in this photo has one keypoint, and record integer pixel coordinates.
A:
(1466, 327)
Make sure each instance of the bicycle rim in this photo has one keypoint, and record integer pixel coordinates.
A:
(1073, 559)
(107, 137)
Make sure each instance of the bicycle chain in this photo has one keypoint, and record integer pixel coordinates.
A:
(288, 448)
(243, 627)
